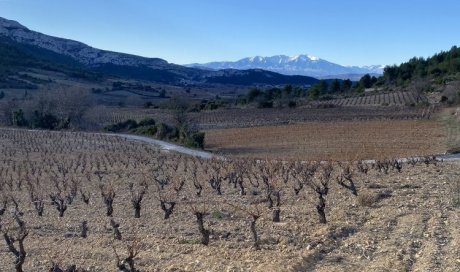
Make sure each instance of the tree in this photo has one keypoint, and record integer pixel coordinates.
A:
(366, 81)
(287, 90)
(334, 87)
(252, 94)
(314, 91)
(18, 118)
(322, 85)
(346, 85)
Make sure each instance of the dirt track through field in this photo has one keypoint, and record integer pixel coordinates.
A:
(167, 146)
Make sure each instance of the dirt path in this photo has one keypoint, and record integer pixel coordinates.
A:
(166, 146)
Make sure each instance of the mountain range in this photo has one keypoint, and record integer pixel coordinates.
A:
(22, 47)
(51, 51)
(306, 65)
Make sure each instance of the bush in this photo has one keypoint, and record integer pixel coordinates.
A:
(292, 104)
(147, 122)
(19, 119)
(196, 140)
(122, 126)
(367, 198)
(165, 131)
(147, 130)
(160, 131)
(46, 121)
(265, 104)
(148, 104)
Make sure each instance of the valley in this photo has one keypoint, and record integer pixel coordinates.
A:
(117, 162)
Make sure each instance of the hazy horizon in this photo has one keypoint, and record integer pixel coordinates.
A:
(355, 33)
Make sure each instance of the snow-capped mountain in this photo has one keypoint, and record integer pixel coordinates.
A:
(40, 48)
(306, 65)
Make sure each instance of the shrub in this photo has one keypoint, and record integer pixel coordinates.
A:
(46, 121)
(19, 119)
(147, 130)
(292, 104)
(367, 198)
(147, 122)
(265, 104)
(165, 131)
(148, 104)
(122, 126)
(196, 140)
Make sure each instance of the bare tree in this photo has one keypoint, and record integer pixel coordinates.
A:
(116, 230)
(85, 196)
(84, 229)
(321, 186)
(216, 175)
(60, 201)
(254, 212)
(200, 212)
(271, 174)
(108, 195)
(127, 264)
(345, 178)
(396, 164)
(36, 197)
(362, 167)
(303, 173)
(4, 206)
(18, 234)
(136, 197)
(237, 173)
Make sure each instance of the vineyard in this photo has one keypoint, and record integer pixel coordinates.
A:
(397, 98)
(345, 140)
(248, 117)
(91, 202)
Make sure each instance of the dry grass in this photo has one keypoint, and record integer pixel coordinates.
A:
(367, 198)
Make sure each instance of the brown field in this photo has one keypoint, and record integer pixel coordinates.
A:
(405, 221)
(345, 140)
(395, 98)
(100, 116)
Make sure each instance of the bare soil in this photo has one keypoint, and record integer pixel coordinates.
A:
(411, 222)
(340, 140)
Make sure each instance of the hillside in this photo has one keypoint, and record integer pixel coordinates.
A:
(22, 47)
(439, 68)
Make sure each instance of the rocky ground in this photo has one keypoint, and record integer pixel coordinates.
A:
(408, 221)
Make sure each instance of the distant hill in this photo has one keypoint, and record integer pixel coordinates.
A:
(256, 76)
(21, 47)
(437, 68)
(306, 65)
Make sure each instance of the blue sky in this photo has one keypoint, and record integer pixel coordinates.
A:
(348, 32)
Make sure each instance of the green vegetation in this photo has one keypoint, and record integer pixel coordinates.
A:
(160, 131)
(438, 68)
(16, 57)
(206, 105)
(266, 98)
(325, 88)
(39, 120)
